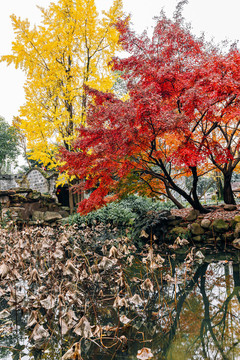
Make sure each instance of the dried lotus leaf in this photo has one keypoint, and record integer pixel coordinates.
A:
(4, 270)
(4, 314)
(144, 354)
(83, 328)
(48, 303)
(39, 333)
(136, 300)
(147, 285)
(124, 319)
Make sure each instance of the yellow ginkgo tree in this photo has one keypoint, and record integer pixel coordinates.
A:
(71, 47)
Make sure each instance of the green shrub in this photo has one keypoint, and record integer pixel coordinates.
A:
(132, 212)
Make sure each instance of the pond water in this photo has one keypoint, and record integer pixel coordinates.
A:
(155, 303)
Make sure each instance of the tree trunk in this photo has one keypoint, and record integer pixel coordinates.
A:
(197, 205)
(228, 196)
(71, 202)
(170, 183)
(219, 187)
(173, 199)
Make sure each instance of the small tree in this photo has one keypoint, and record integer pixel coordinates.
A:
(9, 145)
(71, 47)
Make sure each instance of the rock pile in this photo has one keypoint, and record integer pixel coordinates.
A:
(207, 230)
(26, 206)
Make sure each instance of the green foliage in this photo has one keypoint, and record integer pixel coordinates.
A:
(4, 220)
(9, 144)
(133, 213)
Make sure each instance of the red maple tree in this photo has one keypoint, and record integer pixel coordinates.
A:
(183, 101)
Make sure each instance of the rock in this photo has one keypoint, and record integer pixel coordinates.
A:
(196, 229)
(197, 238)
(237, 218)
(63, 213)
(65, 208)
(48, 216)
(237, 230)
(230, 207)
(17, 211)
(35, 196)
(205, 223)
(18, 198)
(220, 225)
(179, 230)
(236, 243)
(229, 236)
(18, 205)
(193, 214)
(51, 216)
(4, 199)
(47, 198)
(38, 216)
(213, 240)
(210, 240)
(13, 213)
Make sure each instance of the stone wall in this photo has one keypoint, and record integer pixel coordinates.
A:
(8, 182)
(26, 206)
(194, 229)
(218, 231)
(35, 179)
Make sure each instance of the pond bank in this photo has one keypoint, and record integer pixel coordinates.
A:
(221, 225)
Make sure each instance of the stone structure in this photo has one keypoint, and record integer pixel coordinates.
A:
(30, 198)
(168, 228)
(26, 206)
(40, 180)
(8, 182)
(35, 179)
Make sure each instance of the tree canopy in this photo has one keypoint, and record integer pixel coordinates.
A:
(71, 47)
(181, 118)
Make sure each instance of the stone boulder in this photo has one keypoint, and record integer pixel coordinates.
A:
(178, 230)
(236, 243)
(13, 213)
(206, 223)
(38, 215)
(52, 216)
(219, 225)
(197, 238)
(46, 216)
(4, 200)
(23, 206)
(237, 218)
(230, 207)
(193, 214)
(237, 230)
(196, 229)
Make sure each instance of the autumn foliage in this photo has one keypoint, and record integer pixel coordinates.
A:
(71, 47)
(181, 118)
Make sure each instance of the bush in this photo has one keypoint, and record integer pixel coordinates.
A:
(132, 212)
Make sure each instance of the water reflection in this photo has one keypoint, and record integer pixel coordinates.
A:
(193, 312)
(203, 316)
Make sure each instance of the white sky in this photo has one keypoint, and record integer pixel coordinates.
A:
(217, 18)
